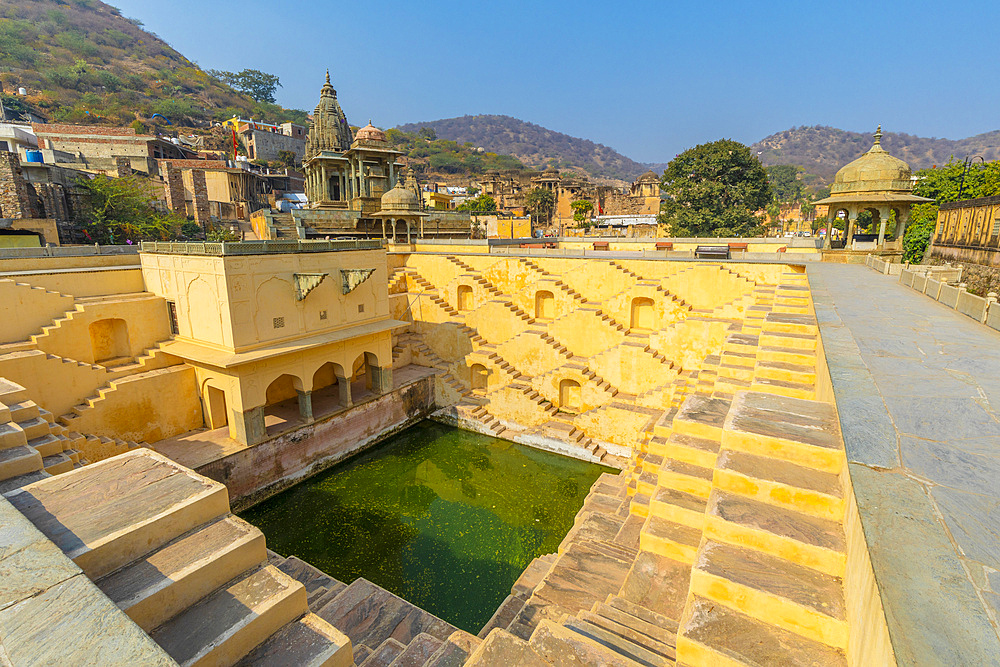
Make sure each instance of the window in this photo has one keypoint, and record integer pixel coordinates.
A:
(996, 227)
(279, 322)
(172, 313)
(361, 307)
(4, 146)
(322, 314)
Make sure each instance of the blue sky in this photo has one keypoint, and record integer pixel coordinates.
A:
(649, 79)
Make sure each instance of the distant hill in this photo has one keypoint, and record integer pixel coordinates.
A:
(823, 150)
(537, 146)
(81, 61)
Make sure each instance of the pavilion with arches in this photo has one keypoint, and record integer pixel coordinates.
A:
(878, 183)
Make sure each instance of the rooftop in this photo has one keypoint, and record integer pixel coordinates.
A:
(258, 247)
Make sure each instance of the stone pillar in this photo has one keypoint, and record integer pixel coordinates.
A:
(325, 188)
(408, 232)
(344, 385)
(305, 405)
(381, 379)
(881, 234)
(173, 184)
(200, 188)
(248, 426)
(14, 198)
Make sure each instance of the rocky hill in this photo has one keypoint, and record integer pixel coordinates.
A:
(823, 150)
(536, 146)
(81, 61)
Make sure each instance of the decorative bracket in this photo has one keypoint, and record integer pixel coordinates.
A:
(307, 282)
(351, 278)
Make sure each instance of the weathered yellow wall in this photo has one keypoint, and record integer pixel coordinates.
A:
(25, 310)
(89, 283)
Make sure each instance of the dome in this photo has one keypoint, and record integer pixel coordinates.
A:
(401, 198)
(876, 170)
(370, 133)
(649, 176)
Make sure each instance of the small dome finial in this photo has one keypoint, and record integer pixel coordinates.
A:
(328, 75)
(878, 135)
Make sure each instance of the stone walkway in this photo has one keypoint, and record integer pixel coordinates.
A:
(918, 391)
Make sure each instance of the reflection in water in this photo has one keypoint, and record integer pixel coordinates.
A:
(444, 518)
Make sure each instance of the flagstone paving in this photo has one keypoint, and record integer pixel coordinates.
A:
(918, 391)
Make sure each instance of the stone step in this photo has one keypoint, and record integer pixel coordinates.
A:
(788, 355)
(504, 615)
(714, 634)
(16, 461)
(228, 624)
(383, 656)
(22, 411)
(623, 626)
(308, 642)
(687, 448)
(679, 507)
(454, 651)
(672, 540)
(701, 417)
(104, 524)
(617, 643)
(178, 574)
(796, 341)
(640, 619)
(784, 388)
(47, 445)
(628, 534)
(558, 645)
(369, 615)
(779, 531)
(639, 505)
(773, 590)
(16, 482)
(11, 435)
(781, 370)
(686, 477)
(503, 648)
(310, 577)
(799, 431)
(736, 372)
(780, 483)
(418, 651)
(361, 653)
(57, 463)
(739, 358)
(35, 427)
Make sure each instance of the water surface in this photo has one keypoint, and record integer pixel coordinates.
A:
(445, 518)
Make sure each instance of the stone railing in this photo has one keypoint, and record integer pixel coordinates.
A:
(68, 251)
(883, 266)
(259, 247)
(941, 284)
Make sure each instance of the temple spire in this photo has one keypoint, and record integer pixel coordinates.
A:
(878, 135)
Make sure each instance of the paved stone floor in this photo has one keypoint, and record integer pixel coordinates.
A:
(918, 391)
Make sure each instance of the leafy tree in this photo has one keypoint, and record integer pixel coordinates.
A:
(120, 210)
(427, 133)
(715, 189)
(286, 158)
(260, 86)
(481, 204)
(785, 183)
(581, 210)
(541, 203)
(923, 218)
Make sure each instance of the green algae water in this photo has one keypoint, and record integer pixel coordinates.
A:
(445, 518)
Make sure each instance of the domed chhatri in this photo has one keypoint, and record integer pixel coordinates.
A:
(876, 170)
(370, 134)
(401, 198)
(878, 183)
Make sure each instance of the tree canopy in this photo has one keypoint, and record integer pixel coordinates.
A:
(715, 189)
(785, 183)
(120, 210)
(582, 208)
(481, 204)
(260, 86)
(541, 203)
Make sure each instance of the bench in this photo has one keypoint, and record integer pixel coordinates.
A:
(664, 245)
(712, 252)
(739, 246)
(601, 245)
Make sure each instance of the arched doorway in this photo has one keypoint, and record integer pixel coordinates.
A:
(465, 301)
(326, 389)
(642, 313)
(545, 305)
(479, 378)
(109, 340)
(285, 404)
(569, 395)
(216, 415)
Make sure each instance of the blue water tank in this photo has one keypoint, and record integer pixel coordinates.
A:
(33, 156)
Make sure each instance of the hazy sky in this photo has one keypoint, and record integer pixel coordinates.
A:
(646, 78)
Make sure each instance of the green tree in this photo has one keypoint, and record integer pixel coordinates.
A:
(541, 203)
(785, 183)
(923, 218)
(120, 210)
(427, 133)
(581, 210)
(481, 204)
(260, 86)
(286, 158)
(715, 189)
